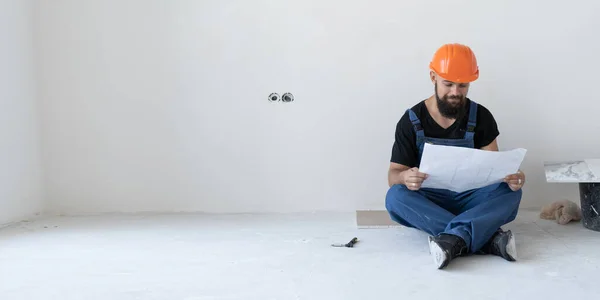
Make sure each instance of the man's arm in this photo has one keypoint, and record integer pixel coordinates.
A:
(486, 132)
(395, 174)
(401, 174)
(404, 155)
(493, 146)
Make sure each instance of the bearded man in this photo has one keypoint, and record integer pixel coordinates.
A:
(459, 224)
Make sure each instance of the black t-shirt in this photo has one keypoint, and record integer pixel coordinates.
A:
(405, 149)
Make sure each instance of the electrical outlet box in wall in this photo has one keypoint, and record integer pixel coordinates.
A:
(274, 97)
(287, 97)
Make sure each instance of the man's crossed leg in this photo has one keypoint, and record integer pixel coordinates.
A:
(459, 223)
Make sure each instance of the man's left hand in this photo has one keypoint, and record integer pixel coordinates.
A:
(515, 181)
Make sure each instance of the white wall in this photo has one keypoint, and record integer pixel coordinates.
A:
(161, 105)
(20, 179)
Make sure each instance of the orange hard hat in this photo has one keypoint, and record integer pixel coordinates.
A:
(456, 63)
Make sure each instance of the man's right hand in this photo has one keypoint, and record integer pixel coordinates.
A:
(413, 178)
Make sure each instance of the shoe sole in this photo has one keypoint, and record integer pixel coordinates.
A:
(511, 247)
(438, 255)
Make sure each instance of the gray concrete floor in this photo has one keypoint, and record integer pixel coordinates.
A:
(194, 256)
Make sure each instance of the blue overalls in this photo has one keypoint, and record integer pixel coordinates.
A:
(474, 215)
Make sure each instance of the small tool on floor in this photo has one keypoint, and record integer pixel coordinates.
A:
(350, 244)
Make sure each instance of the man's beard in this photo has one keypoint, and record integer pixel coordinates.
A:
(448, 110)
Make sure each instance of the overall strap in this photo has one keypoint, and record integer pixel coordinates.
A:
(416, 123)
(472, 121)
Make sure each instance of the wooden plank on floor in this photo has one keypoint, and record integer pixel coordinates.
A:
(374, 219)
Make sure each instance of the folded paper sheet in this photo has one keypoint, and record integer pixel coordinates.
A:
(460, 169)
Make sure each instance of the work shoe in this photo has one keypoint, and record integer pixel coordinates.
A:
(446, 247)
(502, 244)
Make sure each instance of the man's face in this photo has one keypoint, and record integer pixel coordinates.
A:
(451, 97)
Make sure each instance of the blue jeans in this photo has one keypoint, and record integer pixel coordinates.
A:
(473, 215)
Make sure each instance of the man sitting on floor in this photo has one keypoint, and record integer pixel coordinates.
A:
(459, 223)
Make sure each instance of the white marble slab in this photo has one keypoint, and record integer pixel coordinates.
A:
(587, 170)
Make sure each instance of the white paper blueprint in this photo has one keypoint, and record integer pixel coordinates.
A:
(460, 169)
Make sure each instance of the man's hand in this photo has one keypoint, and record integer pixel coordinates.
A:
(413, 178)
(515, 181)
